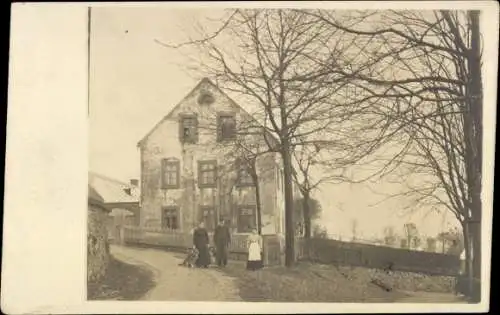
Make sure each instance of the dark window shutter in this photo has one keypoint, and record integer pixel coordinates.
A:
(178, 173)
(219, 128)
(181, 129)
(195, 127)
(215, 173)
(163, 170)
(233, 128)
(199, 173)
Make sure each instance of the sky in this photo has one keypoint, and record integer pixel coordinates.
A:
(134, 82)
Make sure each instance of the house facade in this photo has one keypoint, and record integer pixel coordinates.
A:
(196, 167)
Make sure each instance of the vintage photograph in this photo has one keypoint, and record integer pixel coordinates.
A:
(285, 155)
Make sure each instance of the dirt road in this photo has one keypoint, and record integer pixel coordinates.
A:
(174, 282)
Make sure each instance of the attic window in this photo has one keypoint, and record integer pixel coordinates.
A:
(205, 98)
(226, 127)
(188, 132)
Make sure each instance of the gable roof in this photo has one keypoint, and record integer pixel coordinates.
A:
(94, 199)
(111, 190)
(202, 81)
(94, 196)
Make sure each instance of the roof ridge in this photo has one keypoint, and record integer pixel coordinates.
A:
(108, 178)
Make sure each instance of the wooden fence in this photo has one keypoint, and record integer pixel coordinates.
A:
(180, 241)
(325, 251)
(328, 251)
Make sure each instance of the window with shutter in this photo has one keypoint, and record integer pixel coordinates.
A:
(170, 218)
(188, 131)
(207, 174)
(226, 127)
(247, 219)
(170, 173)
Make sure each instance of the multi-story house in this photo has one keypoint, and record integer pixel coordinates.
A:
(194, 167)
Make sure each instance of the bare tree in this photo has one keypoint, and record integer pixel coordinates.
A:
(390, 237)
(411, 234)
(249, 164)
(311, 171)
(426, 65)
(313, 207)
(319, 232)
(267, 57)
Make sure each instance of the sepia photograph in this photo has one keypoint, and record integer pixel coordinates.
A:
(285, 155)
(250, 157)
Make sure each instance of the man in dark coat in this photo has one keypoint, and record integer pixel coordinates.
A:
(201, 241)
(222, 239)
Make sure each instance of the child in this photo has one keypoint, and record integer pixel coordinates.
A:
(254, 261)
(191, 258)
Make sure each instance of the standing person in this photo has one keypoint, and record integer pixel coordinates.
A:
(201, 241)
(222, 239)
(254, 241)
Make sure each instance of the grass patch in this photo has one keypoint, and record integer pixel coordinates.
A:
(122, 282)
(305, 283)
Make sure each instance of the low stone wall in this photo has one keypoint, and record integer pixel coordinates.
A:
(97, 244)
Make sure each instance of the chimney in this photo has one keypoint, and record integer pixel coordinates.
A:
(134, 188)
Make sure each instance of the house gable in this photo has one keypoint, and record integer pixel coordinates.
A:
(205, 101)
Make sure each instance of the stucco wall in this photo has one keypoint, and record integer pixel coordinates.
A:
(97, 244)
(163, 143)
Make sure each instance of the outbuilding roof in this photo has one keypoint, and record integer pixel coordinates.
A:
(94, 199)
(112, 190)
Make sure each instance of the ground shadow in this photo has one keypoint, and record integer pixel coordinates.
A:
(122, 282)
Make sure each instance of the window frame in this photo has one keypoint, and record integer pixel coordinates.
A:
(164, 165)
(241, 166)
(193, 138)
(176, 212)
(220, 134)
(239, 210)
(201, 184)
(212, 215)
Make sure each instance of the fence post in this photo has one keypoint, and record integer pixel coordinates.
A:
(122, 233)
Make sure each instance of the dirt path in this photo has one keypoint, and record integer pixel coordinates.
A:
(174, 282)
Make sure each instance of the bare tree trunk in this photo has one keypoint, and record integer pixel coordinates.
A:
(477, 114)
(289, 225)
(259, 208)
(306, 215)
(468, 258)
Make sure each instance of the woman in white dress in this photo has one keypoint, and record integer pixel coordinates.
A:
(254, 241)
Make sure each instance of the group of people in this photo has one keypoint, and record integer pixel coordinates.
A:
(221, 241)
